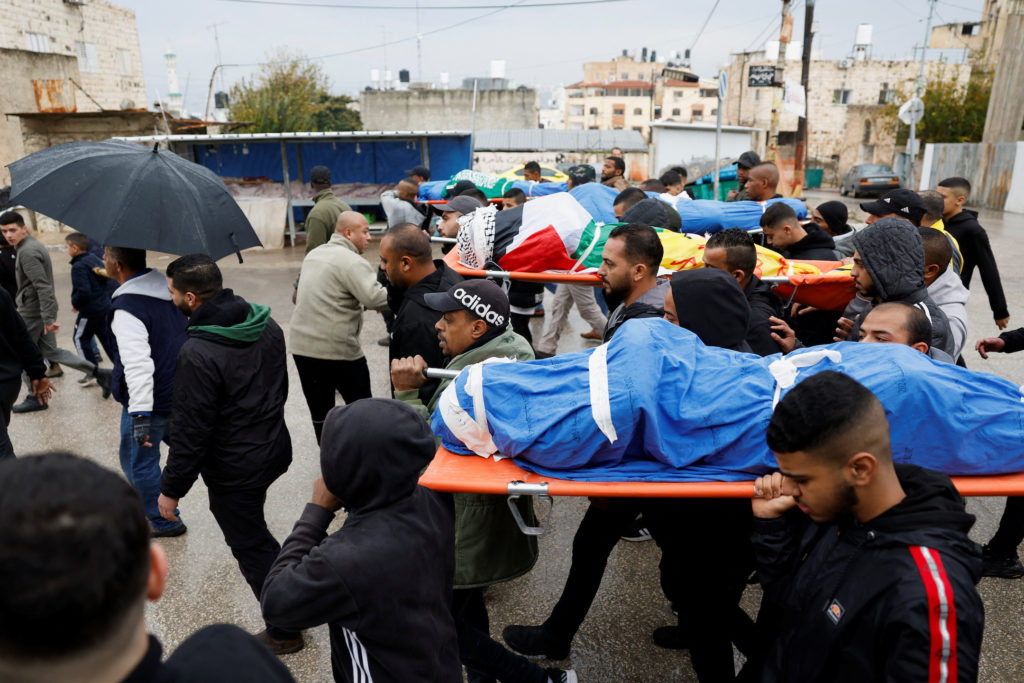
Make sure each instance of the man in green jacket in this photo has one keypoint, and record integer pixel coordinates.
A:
(326, 208)
(489, 548)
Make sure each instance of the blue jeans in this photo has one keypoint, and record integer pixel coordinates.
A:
(141, 464)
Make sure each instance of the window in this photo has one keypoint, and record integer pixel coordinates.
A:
(87, 62)
(638, 129)
(841, 96)
(697, 113)
(124, 62)
(885, 95)
(676, 112)
(619, 111)
(677, 95)
(714, 112)
(637, 111)
(576, 110)
(709, 92)
(37, 42)
(593, 111)
(625, 77)
(970, 29)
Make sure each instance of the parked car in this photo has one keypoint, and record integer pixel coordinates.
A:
(865, 178)
(546, 172)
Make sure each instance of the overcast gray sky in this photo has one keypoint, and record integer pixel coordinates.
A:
(542, 46)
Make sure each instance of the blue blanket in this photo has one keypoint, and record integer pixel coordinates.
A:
(681, 411)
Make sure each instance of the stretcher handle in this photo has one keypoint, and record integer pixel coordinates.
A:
(444, 240)
(440, 373)
(517, 489)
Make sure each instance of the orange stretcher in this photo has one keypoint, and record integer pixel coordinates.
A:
(472, 474)
(829, 291)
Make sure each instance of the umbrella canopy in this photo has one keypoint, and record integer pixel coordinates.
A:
(125, 195)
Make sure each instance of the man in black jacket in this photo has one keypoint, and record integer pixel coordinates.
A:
(18, 353)
(733, 251)
(874, 576)
(784, 233)
(79, 567)
(383, 581)
(407, 261)
(629, 275)
(888, 265)
(974, 245)
(227, 420)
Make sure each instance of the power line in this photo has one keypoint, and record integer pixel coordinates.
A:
(515, 5)
(704, 26)
(966, 9)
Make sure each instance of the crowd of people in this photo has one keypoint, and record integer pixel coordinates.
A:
(866, 568)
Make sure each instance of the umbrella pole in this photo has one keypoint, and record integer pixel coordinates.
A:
(238, 252)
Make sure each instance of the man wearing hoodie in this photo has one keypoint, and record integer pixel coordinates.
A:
(784, 233)
(227, 424)
(831, 217)
(490, 549)
(383, 581)
(412, 273)
(888, 265)
(629, 275)
(944, 285)
(963, 224)
(868, 562)
(148, 331)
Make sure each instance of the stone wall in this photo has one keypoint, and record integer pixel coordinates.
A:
(448, 109)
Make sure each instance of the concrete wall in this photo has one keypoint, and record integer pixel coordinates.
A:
(996, 172)
(104, 26)
(18, 68)
(685, 146)
(448, 109)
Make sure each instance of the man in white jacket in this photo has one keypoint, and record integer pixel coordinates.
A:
(944, 285)
(148, 331)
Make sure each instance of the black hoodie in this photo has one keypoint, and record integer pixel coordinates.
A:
(413, 331)
(710, 303)
(816, 245)
(976, 251)
(17, 350)
(866, 602)
(230, 387)
(893, 256)
(383, 582)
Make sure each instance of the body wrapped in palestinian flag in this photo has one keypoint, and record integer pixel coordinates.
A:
(655, 404)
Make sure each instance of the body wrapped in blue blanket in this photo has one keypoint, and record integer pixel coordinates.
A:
(655, 404)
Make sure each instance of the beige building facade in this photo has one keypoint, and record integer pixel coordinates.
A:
(845, 105)
(65, 56)
(983, 38)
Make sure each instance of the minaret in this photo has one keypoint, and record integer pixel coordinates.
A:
(174, 101)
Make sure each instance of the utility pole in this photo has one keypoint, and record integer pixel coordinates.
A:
(216, 42)
(772, 151)
(800, 157)
(419, 45)
(912, 142)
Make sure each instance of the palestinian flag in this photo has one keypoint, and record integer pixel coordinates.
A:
(542, 235)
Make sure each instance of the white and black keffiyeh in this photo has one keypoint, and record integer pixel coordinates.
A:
(475, 240)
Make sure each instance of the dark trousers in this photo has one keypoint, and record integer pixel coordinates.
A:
(87, 329)
(320, 380)
(8, 395)
(485, 659)
(239, 513)
(706, 558)
(1010, 533)
(521, 326)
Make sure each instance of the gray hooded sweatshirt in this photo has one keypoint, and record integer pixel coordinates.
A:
(949, 294)
(893, 256)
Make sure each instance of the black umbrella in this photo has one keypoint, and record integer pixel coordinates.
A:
(126, 195)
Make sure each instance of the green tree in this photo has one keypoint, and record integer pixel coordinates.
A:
(336, 114)
(289, 94)
(953, 111)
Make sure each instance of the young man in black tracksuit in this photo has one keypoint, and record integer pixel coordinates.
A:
(90, 297)
(227, 419)
(866, 563)
(383, 581)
